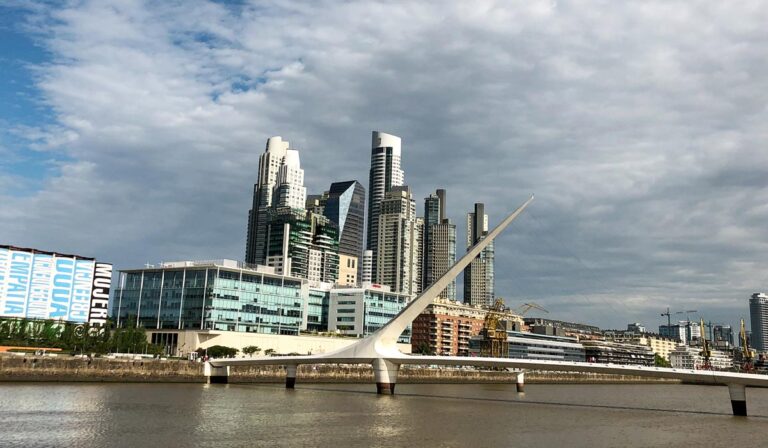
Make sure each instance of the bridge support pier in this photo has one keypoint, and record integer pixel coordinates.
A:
(738, 393)
(290, 376)
(385, 374)
(521, 382)
(216, 375)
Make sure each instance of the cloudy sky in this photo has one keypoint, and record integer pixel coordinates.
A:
(131, 131)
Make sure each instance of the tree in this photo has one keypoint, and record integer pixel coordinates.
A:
(251, 349)
(660, 362)
(269, 352)
(424, 349)
(221, 351)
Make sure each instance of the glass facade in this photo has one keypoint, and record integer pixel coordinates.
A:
(212, 297)
(360, 312)
(317, 310)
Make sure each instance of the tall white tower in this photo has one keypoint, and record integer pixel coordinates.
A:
(289, 190)
(385, 173)
(269, 165)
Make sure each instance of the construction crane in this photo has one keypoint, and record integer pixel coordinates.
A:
(524, 308)
(494, 332)
(705, 352)
(747, 354)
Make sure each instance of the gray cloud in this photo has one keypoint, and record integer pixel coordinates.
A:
(641, 127)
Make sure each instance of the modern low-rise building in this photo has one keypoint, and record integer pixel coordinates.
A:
(212, 295)
(688, 357)
(609, 352)
(660, 345)
(361, 311)
(536, 346)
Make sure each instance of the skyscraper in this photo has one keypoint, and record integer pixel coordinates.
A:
(478, 276)
(385, 173)
(439, 243)
(398, 262)
(345, 206)
(758, 316)
(263, 194)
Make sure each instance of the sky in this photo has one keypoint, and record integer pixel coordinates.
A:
(130, 131)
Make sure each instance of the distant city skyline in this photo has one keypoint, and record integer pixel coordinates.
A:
(132, 132)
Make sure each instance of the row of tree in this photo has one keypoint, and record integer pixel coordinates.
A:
(74, 337)
(221, 351)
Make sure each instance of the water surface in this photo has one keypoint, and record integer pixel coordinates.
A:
(352, 415)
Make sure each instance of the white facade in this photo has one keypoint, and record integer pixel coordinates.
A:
(289, 190)
(367, 273)
(686, 357)
(384, 175)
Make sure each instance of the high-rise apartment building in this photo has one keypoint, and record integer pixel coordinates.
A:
(385, 173)
(302, 244)
(479, 276)
(439, 243)
(263, 195)
(758, 316)
(398, 259)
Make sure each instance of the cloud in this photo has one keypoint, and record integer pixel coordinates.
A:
(640, 126)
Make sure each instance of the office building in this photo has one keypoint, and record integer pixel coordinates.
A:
(659, 345)
(398, 260)
(445, 327)
(758, 316)
(612, 352)
(636, 327)
(479, 275)
(344, 205)
(439, 243)
(536, 346)
(385, 173)
(263, 195)
(362, 311)
(686, 357)
(211, 295)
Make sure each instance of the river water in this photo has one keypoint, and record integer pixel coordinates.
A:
(352, 415)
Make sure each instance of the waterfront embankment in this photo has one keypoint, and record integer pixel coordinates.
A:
(66, 368)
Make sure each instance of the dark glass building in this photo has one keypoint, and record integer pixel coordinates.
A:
(345, 206)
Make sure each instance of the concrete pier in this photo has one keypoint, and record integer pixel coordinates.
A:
(738, 393)
(216, 375)
(290, 376)
(385, 375)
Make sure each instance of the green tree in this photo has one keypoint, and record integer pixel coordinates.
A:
(660, 362)
(251, 349)
(269, 352)
(221, 351)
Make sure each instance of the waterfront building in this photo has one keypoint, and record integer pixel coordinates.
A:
(318, 305)
(302, 244)
(687, 357)
(212, 295)
(361, 311)
(479, 275)
(38, 284)
(562, 328)
(612, 352)
(445, 327)
(263, 195)
(398, 260)
(536, 346)
(345, 206)
(385, 174)
(439, 243)
(758, 316)
(659, 345)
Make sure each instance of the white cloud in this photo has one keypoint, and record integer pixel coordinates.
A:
(641, 126)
